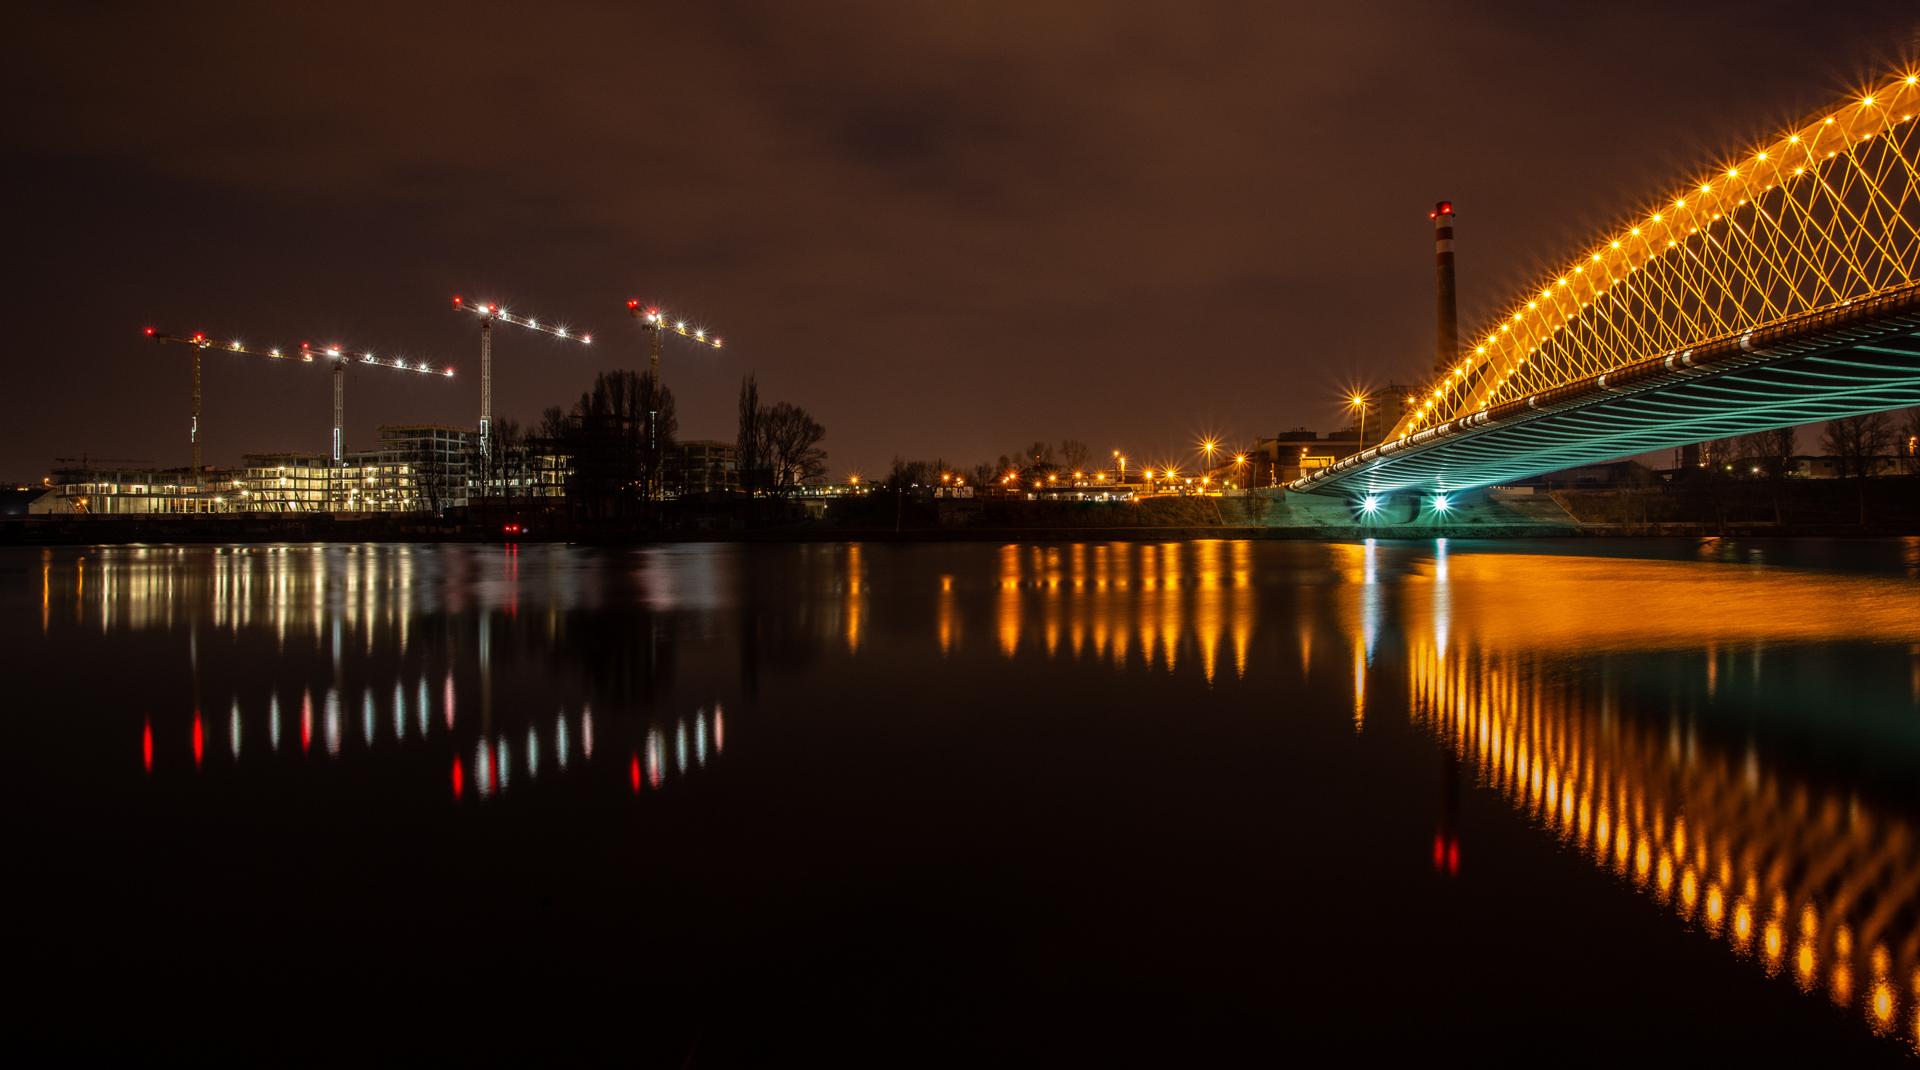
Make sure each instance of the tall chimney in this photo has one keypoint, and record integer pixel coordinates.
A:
(1446, 341)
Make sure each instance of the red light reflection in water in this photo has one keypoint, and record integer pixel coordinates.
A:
(199, 740)
(513, 578)
(459, 779)
(633, 773)
(146, 744)
(306, 722)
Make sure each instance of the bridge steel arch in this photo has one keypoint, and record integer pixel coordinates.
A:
(1782, 289)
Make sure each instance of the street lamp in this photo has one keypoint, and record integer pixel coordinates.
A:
(1359, 401)
(1120, 462)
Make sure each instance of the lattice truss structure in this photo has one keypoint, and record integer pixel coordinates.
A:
(1826, 215)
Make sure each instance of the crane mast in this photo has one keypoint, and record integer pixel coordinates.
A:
(339, 414)
(490, 313)
(193, 429)
(656, 324)
(486, 387)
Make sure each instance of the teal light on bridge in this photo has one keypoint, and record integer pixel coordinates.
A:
(1781, 289)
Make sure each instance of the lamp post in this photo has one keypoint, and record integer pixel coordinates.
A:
(1359, 401)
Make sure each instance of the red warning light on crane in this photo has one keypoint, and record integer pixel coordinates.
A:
(149, 332)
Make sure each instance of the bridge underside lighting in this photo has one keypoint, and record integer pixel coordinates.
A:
(1777, 239)
(1857, 359)
(1370, 504)
(1441, 504)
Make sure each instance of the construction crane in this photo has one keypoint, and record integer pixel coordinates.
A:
(343, 360)
(657, 324)
(306, 354)
(488, 313)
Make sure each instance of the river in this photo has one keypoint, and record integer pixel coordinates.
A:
(943, 802)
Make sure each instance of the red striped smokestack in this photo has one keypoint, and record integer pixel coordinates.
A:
(1446, 341)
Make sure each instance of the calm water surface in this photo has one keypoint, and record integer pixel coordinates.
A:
(943, 802)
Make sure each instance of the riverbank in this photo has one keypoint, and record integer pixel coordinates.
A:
(1703, 508)
(97, 531)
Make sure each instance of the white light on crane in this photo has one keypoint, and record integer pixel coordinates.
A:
(491, 311)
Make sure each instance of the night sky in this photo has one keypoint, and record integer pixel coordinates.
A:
(947, 229)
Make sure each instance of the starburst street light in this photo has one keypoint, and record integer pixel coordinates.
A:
(1360, 401)
(1209, 447)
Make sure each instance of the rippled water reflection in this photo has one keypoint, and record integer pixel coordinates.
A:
(938, 799)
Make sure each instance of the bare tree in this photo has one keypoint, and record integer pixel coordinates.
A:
(494, 466)
(1074, 454)
(793, 445)
(1908, 445)
(905, 474)
(507, 459)
(547, 454)
(617, 435)
(1858, 442)
(751, 443)
(1768, 452)
(1770, 455)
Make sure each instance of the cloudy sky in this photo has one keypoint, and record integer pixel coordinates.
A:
(945, 228)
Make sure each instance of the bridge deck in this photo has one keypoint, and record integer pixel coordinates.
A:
(1857, 357)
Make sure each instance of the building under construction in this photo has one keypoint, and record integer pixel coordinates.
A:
(416, 468)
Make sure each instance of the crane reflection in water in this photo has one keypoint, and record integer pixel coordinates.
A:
(1642, 712)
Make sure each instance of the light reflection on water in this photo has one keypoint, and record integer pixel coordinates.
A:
(1780, 869)
(1644, 712)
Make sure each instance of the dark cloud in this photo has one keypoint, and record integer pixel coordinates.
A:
(946, 228)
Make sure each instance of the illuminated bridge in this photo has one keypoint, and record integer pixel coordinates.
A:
(1782, 288)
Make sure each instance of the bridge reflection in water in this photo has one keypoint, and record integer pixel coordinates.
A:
(1643, 712)
(1817, 883)
(1809, 882)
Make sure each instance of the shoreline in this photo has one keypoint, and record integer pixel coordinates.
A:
(111, 531)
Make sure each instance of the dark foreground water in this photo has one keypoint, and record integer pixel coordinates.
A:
(907, 804)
